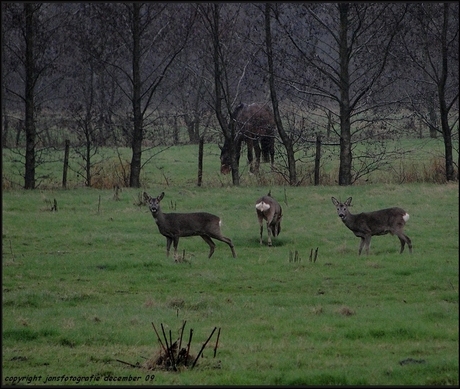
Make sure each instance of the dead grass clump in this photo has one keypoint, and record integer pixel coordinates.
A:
(374, 265)
(7, 183)
(140, 200)
(111, 175)
(176, 303)
(434, 171)
(346, 311)
(182, 258)
(318, 310)
(172, 356)
(170, 359)
(149, 303)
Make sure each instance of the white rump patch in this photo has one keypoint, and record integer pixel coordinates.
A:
(220, 223)
(262, 206)
(406, 217)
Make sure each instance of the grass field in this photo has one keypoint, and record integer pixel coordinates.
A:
(82, 286)
(412, 161)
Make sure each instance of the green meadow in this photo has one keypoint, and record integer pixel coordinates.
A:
(406, 161)
(82, 285)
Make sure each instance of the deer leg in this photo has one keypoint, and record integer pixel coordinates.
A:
(238, 149)
(225, 240)
(361, 245)
(409, 243)
(232, 247)
(404, 239)
(269, 232)
(211, 244)
(261, 225)
(250, 145)
(168, 245)
(260, 218)
(230, 243)
(257, 152)
(403, 242)
(176, 243)
(367, 243)
(272, 152)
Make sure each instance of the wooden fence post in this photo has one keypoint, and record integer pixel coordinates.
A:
(317, 158)
(66, 163)
(200, 161)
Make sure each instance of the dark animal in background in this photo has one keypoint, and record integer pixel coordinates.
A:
(176, 225)
(255, 125)
(367, 224)
(268, 209)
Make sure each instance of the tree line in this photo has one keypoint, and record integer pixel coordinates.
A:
(132, 74)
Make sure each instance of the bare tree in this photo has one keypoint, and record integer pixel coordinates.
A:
(90, 92)
(211, 16)
(232, 55)
(89, 87)
(286, 139)
(147, 38)
(32, 47)
(431, 44)
(340, 61)
(30, 82)
(192, 86)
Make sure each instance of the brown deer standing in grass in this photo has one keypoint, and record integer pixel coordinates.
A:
(269, 209)
(366, 224)
(176, 225)
(254, 125)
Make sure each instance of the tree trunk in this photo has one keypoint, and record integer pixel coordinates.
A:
(200, 161)
(134, 179)
(66, 164)
(287, 142)
(192, 122)
(317, 158)
(444, 111)
(432, 117)
(6, 125)
(235, 152)
(29, 176)
(228, 129)
(88, 163)
(345, 127)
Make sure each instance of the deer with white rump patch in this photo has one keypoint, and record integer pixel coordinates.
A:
(269, 209)
(367, 224)
(176, 225)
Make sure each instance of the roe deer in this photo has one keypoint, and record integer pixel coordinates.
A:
(366, 224)
(176, 225)
(269, 209)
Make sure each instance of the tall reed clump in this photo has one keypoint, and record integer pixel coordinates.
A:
(112, 174)
(433, 171)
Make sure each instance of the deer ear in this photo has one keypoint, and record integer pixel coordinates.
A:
(160, 197)
(334, 201)
(146, 196)
(348, 202)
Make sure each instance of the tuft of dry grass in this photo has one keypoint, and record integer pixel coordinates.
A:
(318, 310)
(113, 174)
(434, 171)
(346, 311)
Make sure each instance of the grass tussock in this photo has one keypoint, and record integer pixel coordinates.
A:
(433, 171)
(112, 174)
